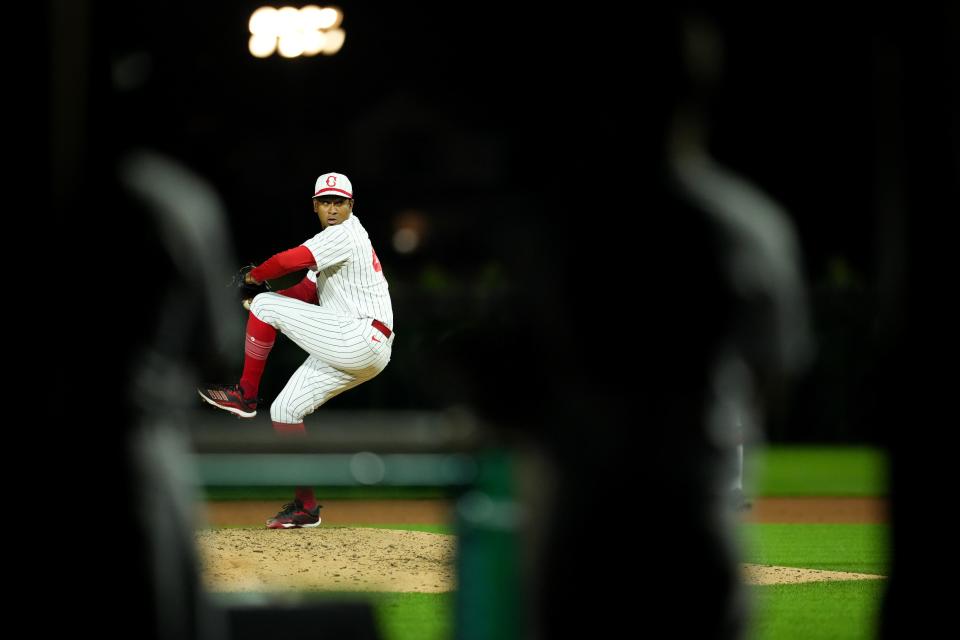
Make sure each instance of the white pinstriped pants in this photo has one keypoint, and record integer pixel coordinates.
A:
(343, 352)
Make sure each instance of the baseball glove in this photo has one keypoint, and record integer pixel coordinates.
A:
(247, 290)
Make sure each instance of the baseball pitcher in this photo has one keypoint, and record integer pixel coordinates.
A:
(340, 314)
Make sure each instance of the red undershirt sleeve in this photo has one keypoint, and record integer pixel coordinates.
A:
(283, 263)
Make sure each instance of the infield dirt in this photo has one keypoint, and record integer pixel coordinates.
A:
(338, 556)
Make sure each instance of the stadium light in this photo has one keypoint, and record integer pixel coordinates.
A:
(293, 32)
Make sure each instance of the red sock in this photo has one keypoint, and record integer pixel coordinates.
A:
(257, 344)
(289, 428)
(305, 495)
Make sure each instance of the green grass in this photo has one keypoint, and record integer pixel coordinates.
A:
(861, 548)
(816, 611)
(819, 471)
(409, 616)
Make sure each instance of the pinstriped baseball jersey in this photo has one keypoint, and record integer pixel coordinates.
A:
(344, 345)
(349, 278)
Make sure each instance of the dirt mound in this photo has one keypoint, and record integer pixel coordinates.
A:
(326, 559)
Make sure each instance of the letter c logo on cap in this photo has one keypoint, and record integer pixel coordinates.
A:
(331, 181)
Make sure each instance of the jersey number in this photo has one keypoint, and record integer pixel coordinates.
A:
(376, 261)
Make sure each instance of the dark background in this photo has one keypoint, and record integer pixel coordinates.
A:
(513, 135)
(480, 122)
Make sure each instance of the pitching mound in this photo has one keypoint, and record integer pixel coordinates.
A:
(326, 559)
(767, 574)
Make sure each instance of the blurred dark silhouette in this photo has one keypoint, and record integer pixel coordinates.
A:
(150, 235)
(916, 78)
(653, 290)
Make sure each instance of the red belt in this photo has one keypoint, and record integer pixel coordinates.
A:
(382, 328)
